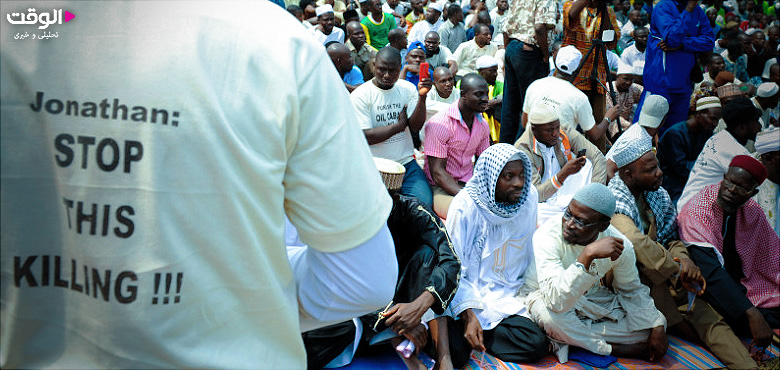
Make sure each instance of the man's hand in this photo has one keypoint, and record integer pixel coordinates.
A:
(666, 47)
(403, 120)
(611, 113)
(424, 85)
(690, 275)
(657, 344)
(473, 330)
(418, 335)
(762, 333)
(606, 247)
(571, 167)
(406, 316)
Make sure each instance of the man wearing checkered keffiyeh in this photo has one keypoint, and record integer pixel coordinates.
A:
(646, 215)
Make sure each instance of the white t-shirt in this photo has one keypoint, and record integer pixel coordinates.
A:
(421, 28)
(467, 53)
(147, 226)
(711, 164)
(376, 108)
(571, 104)
(335, 35)
(632, 55)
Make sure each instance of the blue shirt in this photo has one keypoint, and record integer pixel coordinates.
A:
(670, 72)
(678, 149)
(354, 77)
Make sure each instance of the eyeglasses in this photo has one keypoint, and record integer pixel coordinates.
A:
(735, 188)
(569, 217)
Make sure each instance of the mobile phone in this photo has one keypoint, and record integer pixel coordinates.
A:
(424, 72)
(581, 153)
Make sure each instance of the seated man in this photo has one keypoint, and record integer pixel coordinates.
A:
(427, 280)
(325, 32)
(452, 138)
(571, 104)
(438, 55)
(362, 53)
(554, 152)
(767, 96)
(442, 94)
(466, 55)
(681, 144)
(736, 249)
(627, 94)
(768, 152)
(414, 56)
(652, 116)
(575, 303)
(491, 222)
(487, 67)
(646, 216)
(741, 126)
(431, 23)
(382, 107)
(342, 60)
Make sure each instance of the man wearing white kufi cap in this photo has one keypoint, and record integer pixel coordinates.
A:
(681, 144)
(766, 99)
(325, 31)
(554, 151)
(572, 254)
(628, 94)
(646, 215)
(487, 67)
(653, 114)
(768, 152)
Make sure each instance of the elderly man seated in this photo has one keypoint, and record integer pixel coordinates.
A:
(732, 242)
(589, 294)
(427, 279)
(491, 222)
(646, 215)
(452, 138)
(557, 152)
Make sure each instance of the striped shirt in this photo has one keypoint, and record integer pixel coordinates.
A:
(448, 137)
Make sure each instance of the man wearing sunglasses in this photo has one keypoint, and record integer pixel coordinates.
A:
(732, 242)
(589, 294)
(646, 215)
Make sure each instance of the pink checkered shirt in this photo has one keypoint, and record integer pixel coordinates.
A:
(447, 136)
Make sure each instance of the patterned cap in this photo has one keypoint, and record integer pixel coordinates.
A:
(768, 140)
(633, 144)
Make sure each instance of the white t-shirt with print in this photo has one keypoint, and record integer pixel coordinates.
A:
(376, 107)
(150, 153)
(571, 104)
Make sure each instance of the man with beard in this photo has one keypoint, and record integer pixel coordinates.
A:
(362, 53)
(646, 215)
(431, 23)
(681, 144)
(389, 111)
(325, 32)
(452, 138)
(732, 242)
(491, 223)
(573, 302)
(437, 55)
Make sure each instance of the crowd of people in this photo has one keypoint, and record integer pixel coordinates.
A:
(596, 164)
(579, 178)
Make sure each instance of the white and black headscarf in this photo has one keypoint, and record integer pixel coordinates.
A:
(482, 186)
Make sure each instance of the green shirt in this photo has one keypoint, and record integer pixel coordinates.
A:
(378, 32)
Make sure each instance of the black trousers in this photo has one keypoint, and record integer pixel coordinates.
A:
(726, 295)
(515, 339)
